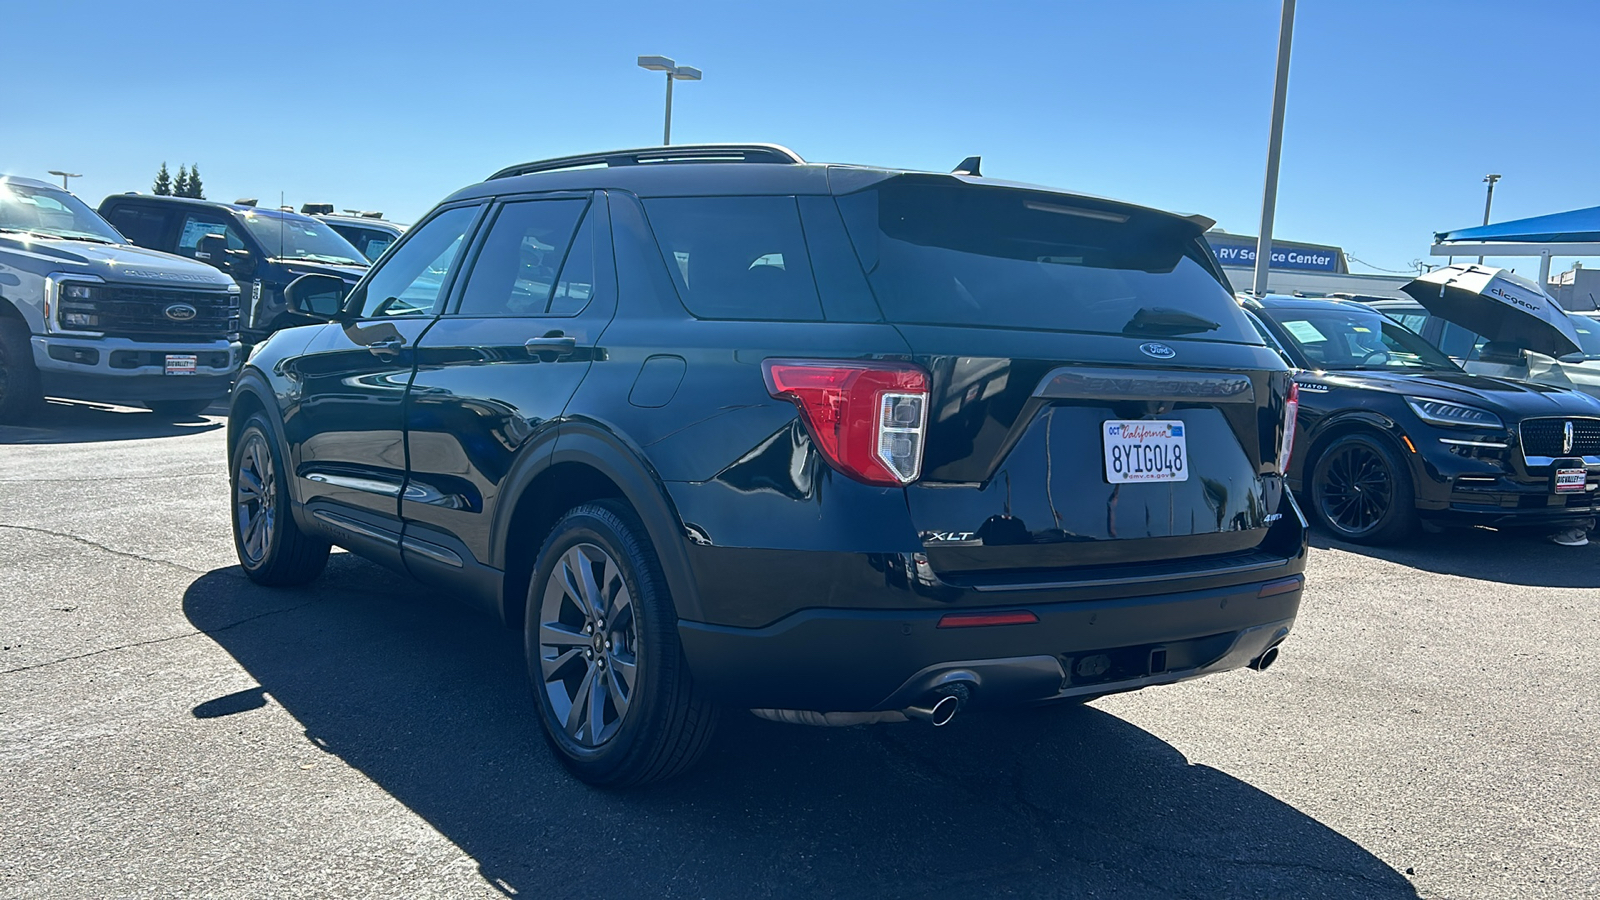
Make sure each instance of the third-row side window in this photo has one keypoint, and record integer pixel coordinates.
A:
(737, 257)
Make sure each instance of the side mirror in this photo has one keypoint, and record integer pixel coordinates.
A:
(316, 296)
(213, 250)
(240, 264)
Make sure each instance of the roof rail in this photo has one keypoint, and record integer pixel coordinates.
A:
(678, 153)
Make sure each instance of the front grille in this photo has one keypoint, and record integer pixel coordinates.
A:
(139, 313)
(1545, 437)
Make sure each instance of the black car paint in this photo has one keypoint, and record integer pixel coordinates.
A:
(458, 437)
(261, 285)
(1334, 403)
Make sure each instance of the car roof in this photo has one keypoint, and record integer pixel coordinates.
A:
(209, 204)
(730, 169)
(29, 182)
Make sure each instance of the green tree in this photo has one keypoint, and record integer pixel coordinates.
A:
(180, 185)
(163, 185)
(196, 189)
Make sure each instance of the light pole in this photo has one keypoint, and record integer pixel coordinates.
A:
(1269, 199)
(1488, 202)
(674, 72)
(66, 175)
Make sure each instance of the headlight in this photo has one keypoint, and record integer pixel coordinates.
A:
(77, 309)
(1440, 412)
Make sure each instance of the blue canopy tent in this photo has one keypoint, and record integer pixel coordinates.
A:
(1575, 233)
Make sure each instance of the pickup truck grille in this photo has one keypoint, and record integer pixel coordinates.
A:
(1545, 438)
(140, 313)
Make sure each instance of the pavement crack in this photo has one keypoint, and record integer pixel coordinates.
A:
(102, 547)
(162, 640)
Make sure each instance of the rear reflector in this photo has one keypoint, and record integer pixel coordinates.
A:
(980, 619)
(1284, 586)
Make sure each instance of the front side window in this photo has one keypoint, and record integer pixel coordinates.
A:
(1339, 339)
(50, 213)
(198, 225)
(737, 257)
(412, 280)
(516, 271)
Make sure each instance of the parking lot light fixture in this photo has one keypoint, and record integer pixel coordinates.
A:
(674, 72)
(65, 176)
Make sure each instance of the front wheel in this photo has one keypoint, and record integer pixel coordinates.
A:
(615, 696)
(19, 379)
(1361, 490)
(272, 549)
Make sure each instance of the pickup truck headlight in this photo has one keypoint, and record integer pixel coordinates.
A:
(78, 308)
(1440, 412)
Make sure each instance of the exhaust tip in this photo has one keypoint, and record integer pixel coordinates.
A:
(944, 711)
(1266, 659)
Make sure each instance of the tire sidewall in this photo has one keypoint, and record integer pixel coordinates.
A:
(600, 525)
(1397, 521)
(257, 424)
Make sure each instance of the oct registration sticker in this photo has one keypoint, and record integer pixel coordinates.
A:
(1145, 451)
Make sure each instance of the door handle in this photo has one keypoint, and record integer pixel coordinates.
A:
(559, 344)
(387, 345)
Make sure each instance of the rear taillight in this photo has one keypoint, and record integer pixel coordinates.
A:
(867, 418)
(1291, 411)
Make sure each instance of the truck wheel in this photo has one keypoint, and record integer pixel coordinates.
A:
(1361, 491)
(272, 549)
(178, 409)
(19, 379)
(615, 696)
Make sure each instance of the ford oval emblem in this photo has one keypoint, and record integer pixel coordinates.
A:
(180, 312)
(1157, 350)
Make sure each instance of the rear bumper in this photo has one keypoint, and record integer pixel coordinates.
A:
(836, 660)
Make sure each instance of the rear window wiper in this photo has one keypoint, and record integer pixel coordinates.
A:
(1166, 320)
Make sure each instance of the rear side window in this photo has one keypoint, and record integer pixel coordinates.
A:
(737, 257)
(945, 253)
(515, 273)
(143, 226)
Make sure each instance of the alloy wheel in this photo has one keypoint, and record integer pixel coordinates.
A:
(1357, 490)
(255, 495)
(588, 644)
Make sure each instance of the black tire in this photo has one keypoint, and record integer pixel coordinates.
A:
(662, 723)
(272, 549)
(19, 378)
(178, 409)
(1361, 491)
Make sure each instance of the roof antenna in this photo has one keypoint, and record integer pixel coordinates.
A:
(969, 166)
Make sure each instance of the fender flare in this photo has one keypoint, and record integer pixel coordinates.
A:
(591, 444)
(1366, 420)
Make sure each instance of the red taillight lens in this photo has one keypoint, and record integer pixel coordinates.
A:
(1291, 411)
(867, 418)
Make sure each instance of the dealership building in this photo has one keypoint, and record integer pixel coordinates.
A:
(1311, 270)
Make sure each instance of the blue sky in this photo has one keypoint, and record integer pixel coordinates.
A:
(1396, 109)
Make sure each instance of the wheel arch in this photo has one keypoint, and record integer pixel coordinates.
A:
(586, 462)
(1358, 422)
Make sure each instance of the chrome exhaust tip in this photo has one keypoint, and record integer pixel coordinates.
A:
(937, 715)
(1266, 659)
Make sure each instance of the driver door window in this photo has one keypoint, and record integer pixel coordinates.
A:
(414, 279)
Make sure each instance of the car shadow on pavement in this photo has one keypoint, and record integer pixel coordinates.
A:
(429, 700)
(1509, 557)
(72, 422)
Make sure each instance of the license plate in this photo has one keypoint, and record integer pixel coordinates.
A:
(1141, 451)
(181, 363)
(1570, 481)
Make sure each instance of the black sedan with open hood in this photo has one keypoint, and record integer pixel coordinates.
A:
(1391, 433)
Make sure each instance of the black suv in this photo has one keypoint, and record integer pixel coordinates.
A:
(720, 428)
(263, 249)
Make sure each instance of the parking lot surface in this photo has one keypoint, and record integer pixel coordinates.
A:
(167, 728)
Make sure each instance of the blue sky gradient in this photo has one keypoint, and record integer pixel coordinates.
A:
(1396, 109)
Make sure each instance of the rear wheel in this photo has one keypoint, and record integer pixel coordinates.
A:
(615, 696)
(1361, 491)
(19, 379)
(272, 549)
(178, 409)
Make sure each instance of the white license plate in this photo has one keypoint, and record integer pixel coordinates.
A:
(1570, 481)
(181, 363)
(1140, 451)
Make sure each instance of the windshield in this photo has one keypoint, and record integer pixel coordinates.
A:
(52, 213)
(1355, 338)
(953, 254)
(300, 237)
(1588, 337)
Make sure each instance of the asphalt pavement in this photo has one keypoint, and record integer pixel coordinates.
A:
(169, 729)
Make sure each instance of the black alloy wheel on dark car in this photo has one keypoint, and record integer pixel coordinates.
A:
(615, 696)
(1362, 492)
(272, 549)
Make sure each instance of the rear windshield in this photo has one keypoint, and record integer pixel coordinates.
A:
(956, 254)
